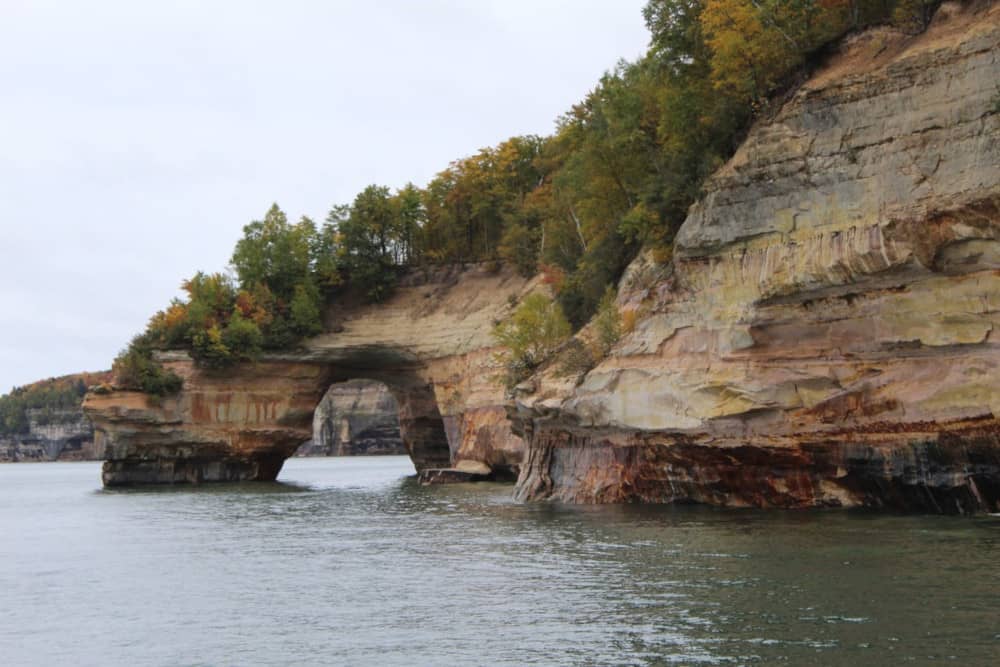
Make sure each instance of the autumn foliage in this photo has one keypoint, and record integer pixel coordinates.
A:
(620, 171)
(46, 401)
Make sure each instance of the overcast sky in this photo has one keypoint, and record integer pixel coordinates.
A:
(137, 138)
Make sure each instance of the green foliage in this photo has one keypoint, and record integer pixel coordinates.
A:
(135, 369)
(46, 402)
(208, 349)
(531, 335)
(469, 204)
(239, 340)
(600, 267)
(519, 246)
(579, 357)
(281, 270)
(278, 254)
(756, 44)
(620, 172)
(370, 232)
(243, 338)
(304, 313)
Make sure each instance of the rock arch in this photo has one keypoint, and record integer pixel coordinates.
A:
(430, 344)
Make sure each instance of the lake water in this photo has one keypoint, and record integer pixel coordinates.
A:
(348, 562)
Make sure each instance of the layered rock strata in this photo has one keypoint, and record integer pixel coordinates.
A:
(355, 418)
(826, 334)
(430, 344)
(64, 435)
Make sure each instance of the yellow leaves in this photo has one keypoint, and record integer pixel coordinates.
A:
(749, 57)
(176, 315)
(757, 43)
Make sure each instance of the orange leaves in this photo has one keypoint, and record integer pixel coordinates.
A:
(176, 315)
(256, 306)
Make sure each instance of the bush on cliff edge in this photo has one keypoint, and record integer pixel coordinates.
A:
(135, 369)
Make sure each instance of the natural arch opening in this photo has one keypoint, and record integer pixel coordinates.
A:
(243, 424)
(378, 405)
(355, 418)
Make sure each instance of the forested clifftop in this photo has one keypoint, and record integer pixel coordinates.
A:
(618, 173)
(429, 343)
(825, 333)
(771, 351)
(44, 421)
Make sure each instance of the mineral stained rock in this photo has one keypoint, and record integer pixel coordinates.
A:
(826, 335)
(430, 344)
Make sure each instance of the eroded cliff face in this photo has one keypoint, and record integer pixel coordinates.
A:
(358, 417)
(430, 344)
(65, 435)
(827, 332)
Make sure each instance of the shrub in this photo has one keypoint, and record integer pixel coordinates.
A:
(532, 334)
(208, 349)
(135, 369)
(242, 338)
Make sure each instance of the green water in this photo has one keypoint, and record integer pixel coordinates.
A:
(348, 562)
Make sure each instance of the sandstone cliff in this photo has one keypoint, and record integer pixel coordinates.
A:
(355, 418)
(827, 332)
(824, 336)
(430, 344)
(64, 435)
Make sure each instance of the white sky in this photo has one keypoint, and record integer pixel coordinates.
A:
(137, 138)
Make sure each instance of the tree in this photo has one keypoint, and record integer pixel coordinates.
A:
(914, 15)
(620, 172)
(532, 334)
(242, 338)
(519, 246)
(208, 349)
(304, 314)
(368, 232)
(134, 368)
(410, 218)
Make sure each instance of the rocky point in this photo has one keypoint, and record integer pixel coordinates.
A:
(826, 334)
